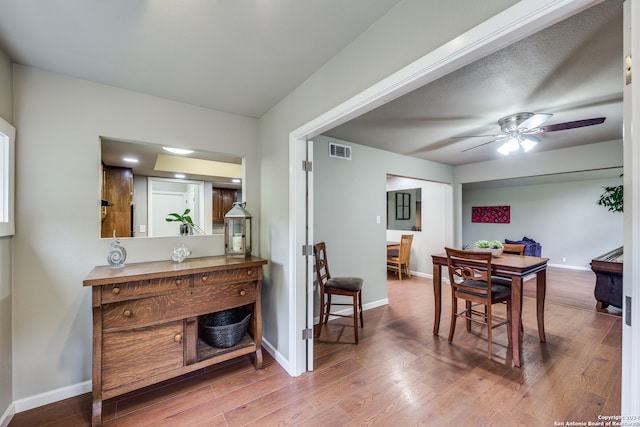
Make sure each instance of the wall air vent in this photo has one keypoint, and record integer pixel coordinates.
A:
(339, 151)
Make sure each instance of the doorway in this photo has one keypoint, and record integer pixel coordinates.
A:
(520, 20)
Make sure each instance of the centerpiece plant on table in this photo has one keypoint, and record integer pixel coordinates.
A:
(495, 246)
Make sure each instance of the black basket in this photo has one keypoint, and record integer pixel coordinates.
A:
(224, 328)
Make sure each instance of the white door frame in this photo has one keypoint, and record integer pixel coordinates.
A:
(521, 20)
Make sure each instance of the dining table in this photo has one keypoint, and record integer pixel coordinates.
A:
(514, 268)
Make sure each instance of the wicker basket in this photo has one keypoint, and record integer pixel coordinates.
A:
(224, 328)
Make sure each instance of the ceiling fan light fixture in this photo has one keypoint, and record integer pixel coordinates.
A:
(503, 149)
(527, 144)
(509, 146)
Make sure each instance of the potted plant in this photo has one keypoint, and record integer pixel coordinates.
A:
(495, 246)
(613, 198)
(186, 226)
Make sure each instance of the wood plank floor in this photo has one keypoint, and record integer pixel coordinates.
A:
(399, 374)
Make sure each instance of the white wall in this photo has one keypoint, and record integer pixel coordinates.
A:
(437, 222)
(6, 387)
(563, 217)
(349, 195)
(59, 121)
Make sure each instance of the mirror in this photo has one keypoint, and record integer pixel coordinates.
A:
(404, 209)
(142, 183)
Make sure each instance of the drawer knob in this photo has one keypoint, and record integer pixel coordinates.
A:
(177, 337)
(127, 313)
(178, 282)
(115, 290)
(249, 271)
(204, 278)
(243, 293)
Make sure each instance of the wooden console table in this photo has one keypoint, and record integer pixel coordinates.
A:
(145, 320)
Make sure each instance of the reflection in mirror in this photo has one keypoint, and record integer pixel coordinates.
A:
(404, 209)
(142, 184)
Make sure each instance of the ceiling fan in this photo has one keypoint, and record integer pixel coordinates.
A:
(520, 130)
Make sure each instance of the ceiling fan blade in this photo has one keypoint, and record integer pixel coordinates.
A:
(485, 143)
(479, 136)
(572, 125)
(535, 121)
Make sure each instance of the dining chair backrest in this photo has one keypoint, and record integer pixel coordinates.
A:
(467, 268)
(513, 248)
(405, 248)
(322, 264)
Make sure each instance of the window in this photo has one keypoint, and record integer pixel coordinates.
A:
(7, 161)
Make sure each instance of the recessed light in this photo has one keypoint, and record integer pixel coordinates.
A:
(180, 175)
(236, 180)
(177, 150)
(130, 160)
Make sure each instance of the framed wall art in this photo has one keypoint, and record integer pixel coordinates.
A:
(492, 214)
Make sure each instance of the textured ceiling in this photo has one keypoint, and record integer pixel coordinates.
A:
(573, 69)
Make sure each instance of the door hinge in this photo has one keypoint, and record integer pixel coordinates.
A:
(627, 69)
(627, 310)
(307, 250)
(307, 166)
(307, 334)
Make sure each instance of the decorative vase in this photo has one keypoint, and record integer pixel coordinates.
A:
(117, 254)
(494, 252)
(184, 229)
(179, 254)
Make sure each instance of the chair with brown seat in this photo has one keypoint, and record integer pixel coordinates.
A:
(513, 248)
(329, 286)
(403, 259)
(469, 273)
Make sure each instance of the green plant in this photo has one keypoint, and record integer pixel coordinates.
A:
(184, 218)
(612, 198)
(485, 244)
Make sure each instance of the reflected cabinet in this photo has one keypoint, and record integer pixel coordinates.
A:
(146, 318)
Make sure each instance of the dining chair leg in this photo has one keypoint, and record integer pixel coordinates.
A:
(468, 315)
(360, 305)
(489, 328)
(454, 310)
(327, 309)
(319, 329)
(355, 317)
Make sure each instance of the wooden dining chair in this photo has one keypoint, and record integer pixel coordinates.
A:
(513, 248)
(470, 276)
(329, 286)
(403, 259)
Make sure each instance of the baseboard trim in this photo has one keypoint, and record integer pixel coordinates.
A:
(52, 396)
(569, 267)
(282, 361)
(6, 418)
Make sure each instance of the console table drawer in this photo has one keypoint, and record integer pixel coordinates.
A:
(141, 288)
(137, 354)
(176, 305)
(226, 276)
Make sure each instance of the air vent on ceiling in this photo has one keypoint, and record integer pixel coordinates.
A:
(339, 151)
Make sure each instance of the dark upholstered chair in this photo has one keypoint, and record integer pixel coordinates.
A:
(469, 275)
(329, 286)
